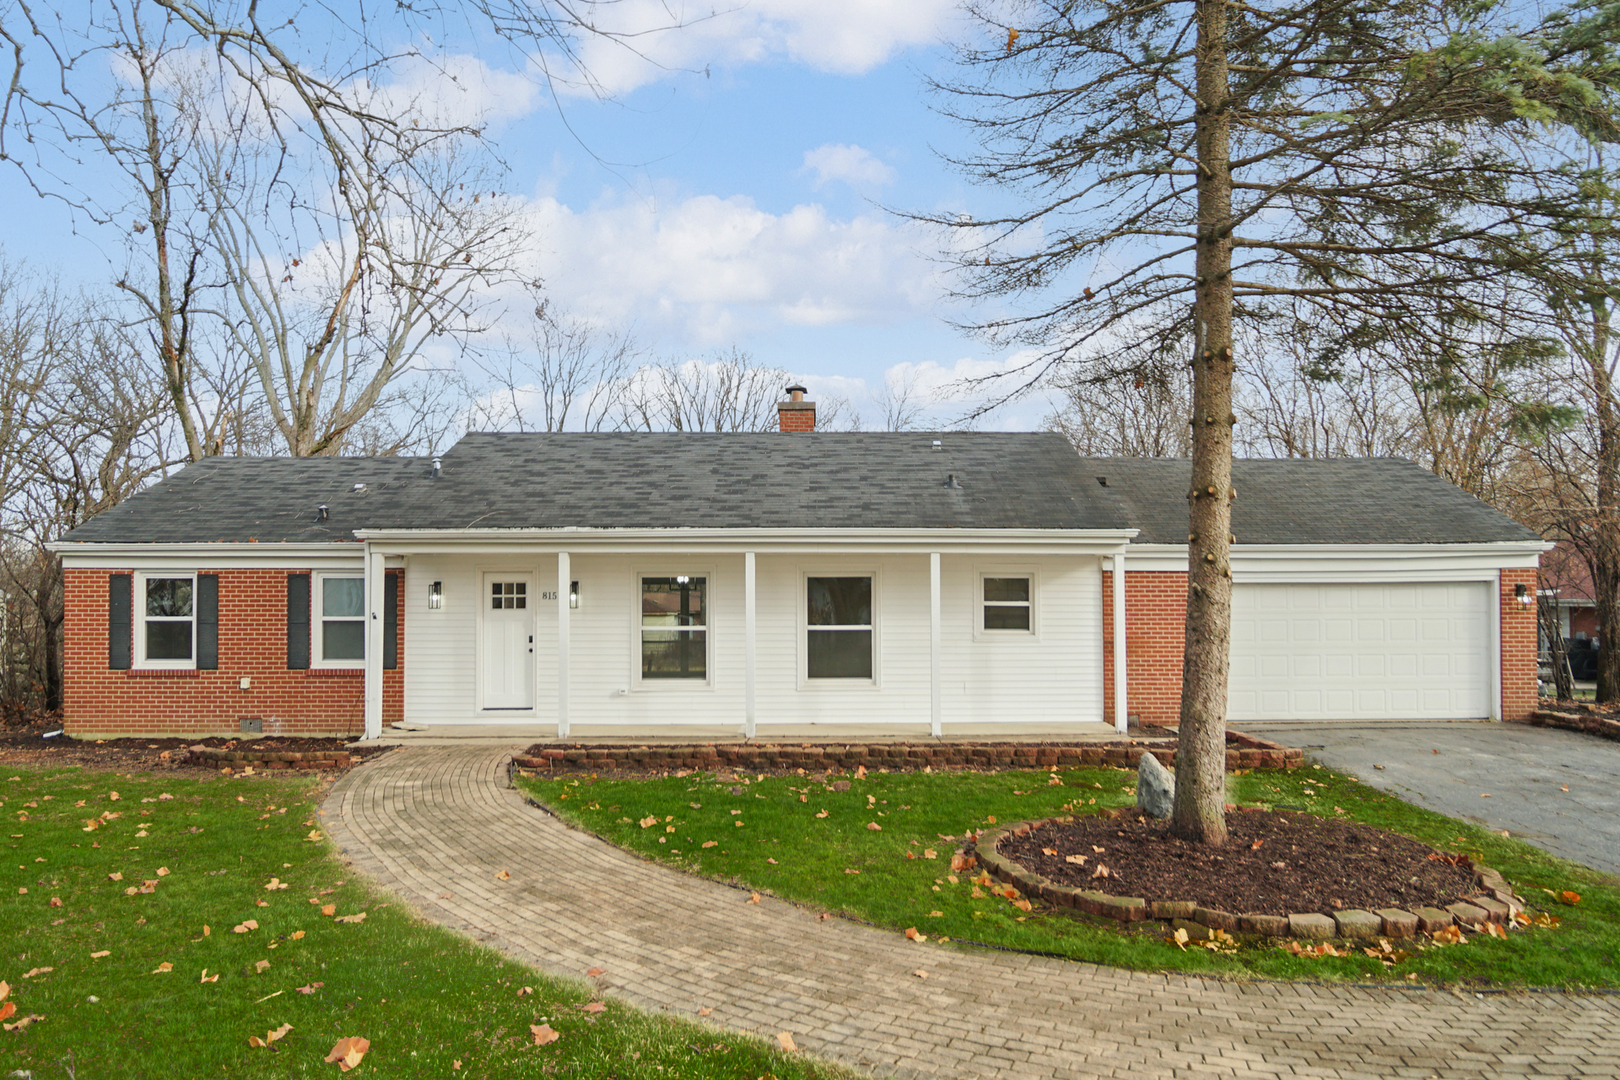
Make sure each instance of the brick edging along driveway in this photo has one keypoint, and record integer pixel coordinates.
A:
(431, 821)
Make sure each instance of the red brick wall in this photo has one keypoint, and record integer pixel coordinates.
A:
(1155, 618)
(1518, 646)
(252, 642)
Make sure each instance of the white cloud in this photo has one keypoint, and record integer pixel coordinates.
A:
(854, 165)
(847, 37)
(710, 271)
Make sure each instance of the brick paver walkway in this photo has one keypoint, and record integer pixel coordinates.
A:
(431, 821)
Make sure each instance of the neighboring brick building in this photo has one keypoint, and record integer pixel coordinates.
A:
(628, 583)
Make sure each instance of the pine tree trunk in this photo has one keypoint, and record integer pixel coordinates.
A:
(1199, 814)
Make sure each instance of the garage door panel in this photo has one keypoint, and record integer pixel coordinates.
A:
(1360, 651)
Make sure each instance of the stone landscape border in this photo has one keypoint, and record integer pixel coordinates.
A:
(1582, 721)
(1497, 905)
(1242, 752)
(236, 758)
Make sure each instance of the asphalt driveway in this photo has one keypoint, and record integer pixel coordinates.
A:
(1556, 789)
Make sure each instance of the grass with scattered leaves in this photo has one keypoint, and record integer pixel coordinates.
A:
(158, 927)
(880, 852)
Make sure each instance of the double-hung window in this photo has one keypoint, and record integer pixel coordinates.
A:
(341, 606)
(674, 627)
(168, 622)
(1008, 602)
(838, 633)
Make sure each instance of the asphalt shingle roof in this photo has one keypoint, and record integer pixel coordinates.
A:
(631, 480)
(776, 481)
(1298, 501)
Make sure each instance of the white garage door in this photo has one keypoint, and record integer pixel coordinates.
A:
(1363, 652)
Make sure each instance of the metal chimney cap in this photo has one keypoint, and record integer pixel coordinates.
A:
(320, 512)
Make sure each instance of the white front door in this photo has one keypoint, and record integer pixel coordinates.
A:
(506, 645)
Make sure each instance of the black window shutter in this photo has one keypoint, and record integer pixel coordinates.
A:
(208, 622)
(297, 621)
(390, 621)
(120, 593)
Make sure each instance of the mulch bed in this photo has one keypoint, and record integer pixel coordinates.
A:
(1274, 863)
(144, 755)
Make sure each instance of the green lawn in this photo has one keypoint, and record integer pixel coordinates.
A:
(118, 976)
(793, 837)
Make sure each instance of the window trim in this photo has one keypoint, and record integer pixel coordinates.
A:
(980, 633)
(664, 686)
(138, 619)
(317, 621)
(840, 685)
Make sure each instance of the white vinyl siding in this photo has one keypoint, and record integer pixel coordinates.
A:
(1361, 651)
(1053, 674)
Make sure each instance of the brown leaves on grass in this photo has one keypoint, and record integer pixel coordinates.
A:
(244, 926)
(593, 1007)
(310, 988)
(1448, 935)
(328, 909)
(911, 932)
(163, 968)
(22, 1023)
(357, 917)
(544, 1034)
(652, 819)
(961, 862)
(348, 1052)
(207, 978)
(595, 971)
(753, 898)
(786, 1039)
(31, 972)
(275, 884)
(271, 1036)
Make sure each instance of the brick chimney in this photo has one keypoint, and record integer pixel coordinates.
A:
(796, 414)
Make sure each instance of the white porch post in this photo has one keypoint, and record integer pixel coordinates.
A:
(750, 716)
(564, 576)
(1121, 706)
(935, 659)
(374, 640)
(1495, 609)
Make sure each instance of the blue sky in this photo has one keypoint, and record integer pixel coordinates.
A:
(729, 192)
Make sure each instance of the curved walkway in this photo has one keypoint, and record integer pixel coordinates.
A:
(437, 825)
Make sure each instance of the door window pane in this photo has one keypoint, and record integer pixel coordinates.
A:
(509, 595)
(674, 640)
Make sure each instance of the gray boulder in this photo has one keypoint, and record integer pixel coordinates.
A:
(1155, 788)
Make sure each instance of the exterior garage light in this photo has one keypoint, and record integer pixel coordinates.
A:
(436, 596)
(573, 594)
(1522, 595)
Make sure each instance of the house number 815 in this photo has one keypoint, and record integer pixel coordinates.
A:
(548, 596)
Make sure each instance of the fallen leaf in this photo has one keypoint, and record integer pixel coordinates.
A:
(786, 1039)
(1495, 931)
(1569, 898)
(705, 1011)
(56, 901)
(260, 966)
(1100, 872)
(1049, 851)
(348, 1052)
(296, 934)
(847, 870)
(594, 972)
(503, 876)
(753, 898)
(1021, 905)
(7, 1009)
(115, 876)
(1180, 939)
(206, 931)
(821, 813)
(357, 917)
(991, 819)
(310, 988)
(163, 968)
(543, 1034)
(163, 871)
(207, 978)
(650, 820)
(911, 932)
(874, 826)
(29, 974)
(456, 1064)
(593, 1007)
(1078, 860)
(24, 1022)
(860, 772)
(99, 955)
(921, 974)
(244, 926)
(328, 909)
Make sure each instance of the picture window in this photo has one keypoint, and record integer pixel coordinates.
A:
(674, 627)
(838, 634)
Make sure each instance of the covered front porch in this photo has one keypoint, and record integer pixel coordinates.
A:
(568, 634)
